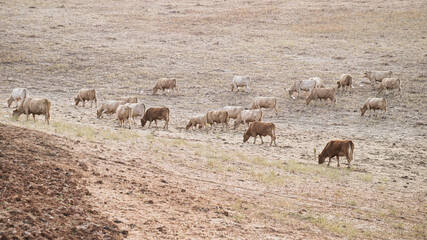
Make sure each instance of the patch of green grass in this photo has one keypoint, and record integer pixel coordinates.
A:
(318, 170)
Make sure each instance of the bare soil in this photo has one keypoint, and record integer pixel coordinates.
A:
(178, 184)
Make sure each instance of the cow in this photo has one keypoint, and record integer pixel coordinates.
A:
(322, 93)
(337, 148)
(18, 94)
(233, 111)
(261, 129)
(198, 120)
(248, 116)
(109, 107)
(138, 110)
(345, 82)
(128, 99)
(154, 114)
(390, 84)
(374, 104)
(265, 102)
(124, 112)
(219, 116)
(377, 76)
(86, 95)
(240, 81)
(35, 107)
(305, 85)
(165, 83)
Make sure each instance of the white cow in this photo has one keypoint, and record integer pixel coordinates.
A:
(240, 81)
(18, 94)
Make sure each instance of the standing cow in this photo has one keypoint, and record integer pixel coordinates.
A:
(34, 107)
(86, 95)
(240, 81)
(265, 102)
(18, 94)
(165, 83)
(337, 148)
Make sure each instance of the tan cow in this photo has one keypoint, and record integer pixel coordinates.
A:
(261, 129)
(377, 76)
(218, 117)
(322, 93)
(86, 95)
(165, 83)
(345, 82)
(198, 120)
(390, 84)
(124, 112)
(248, 116)
(154, 114)
(128, 99)
(374, 104)
(18, 94)
(265, 102)
(34, 107)
(337, 148)
(109, 107)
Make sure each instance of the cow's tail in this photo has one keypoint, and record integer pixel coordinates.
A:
(25, 94)
(260, 117)
(351, 152)
(49, 105)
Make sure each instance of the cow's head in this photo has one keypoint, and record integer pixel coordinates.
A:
(338, 84)
(246, 136)
(77, 100)
(143, 122)
(98, 113)
(155, 88)
(16, 113)
(232, 87)
(186, 127)
(362, 110)
(321, 159)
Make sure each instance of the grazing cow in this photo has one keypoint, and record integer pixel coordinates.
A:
(138, 110)
(198, 120)
(305, 85)
(345, 82)
(378, 76)
(390, 84)
(218, 117)
(128, 99)
(154, 114)
(165, 83)
(248, 116)
(124, 112)
(240, 81)
(86, 95)
(109, 107)
(34, 107)
(374, 104)
(233, 111)
(18, 94)
(337, 148)
(262, 129)
(265, 102)
(322, 93)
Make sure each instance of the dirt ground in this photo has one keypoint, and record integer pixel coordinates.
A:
(178, 184)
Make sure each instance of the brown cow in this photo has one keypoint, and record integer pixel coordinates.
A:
(154, 114)
(346, 82)
(390, 84)
(34, 107)
(198, 120)
(165, 83)
(86, 95)
(261, 129)
(337, 148)
(374, 104)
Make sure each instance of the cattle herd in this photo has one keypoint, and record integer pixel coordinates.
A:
(128, 108)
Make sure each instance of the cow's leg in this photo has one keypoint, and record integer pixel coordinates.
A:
(91, 103)
(155, 121)
(338, 161)
(255, 139)
(348, 161)
(262, 142)
(329, 162)
(27, 116)
(149, 124)
(34, 117)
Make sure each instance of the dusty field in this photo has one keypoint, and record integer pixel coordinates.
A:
(181, 184)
